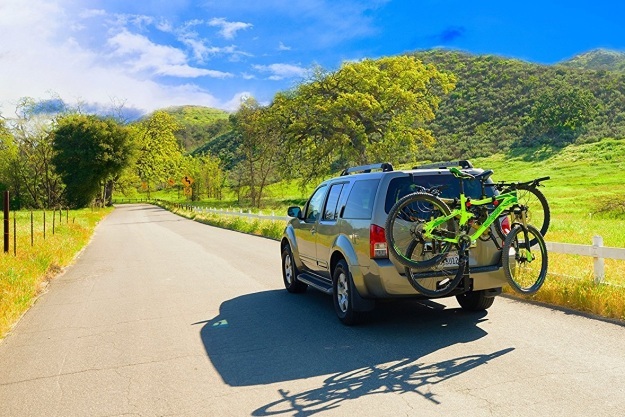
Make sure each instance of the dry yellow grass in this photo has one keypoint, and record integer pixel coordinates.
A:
(22, 275)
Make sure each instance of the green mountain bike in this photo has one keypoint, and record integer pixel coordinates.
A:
(427, 236)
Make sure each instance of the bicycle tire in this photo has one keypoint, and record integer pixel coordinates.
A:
(525, 265)
(437, 281)
(403, 226)
(538, 212)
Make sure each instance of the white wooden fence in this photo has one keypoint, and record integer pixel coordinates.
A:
(597, 251)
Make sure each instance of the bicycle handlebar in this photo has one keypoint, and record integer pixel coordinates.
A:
(531, 183)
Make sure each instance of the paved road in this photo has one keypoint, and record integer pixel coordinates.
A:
(162, 316)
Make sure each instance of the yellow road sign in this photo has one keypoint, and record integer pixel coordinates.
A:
(187, 181)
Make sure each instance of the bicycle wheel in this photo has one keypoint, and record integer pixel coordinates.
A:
(439, 280)
(538, 212)
(404, 225)
(524, 264)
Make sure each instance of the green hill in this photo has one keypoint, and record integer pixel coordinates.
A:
(501, 104)
(199, 124)
(598, 59)
(224, 146)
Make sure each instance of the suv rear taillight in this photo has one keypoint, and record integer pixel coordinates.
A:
(505, 225)
(377, 242)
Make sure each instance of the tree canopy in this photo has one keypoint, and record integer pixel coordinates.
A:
(159, 157)
(88, 152)
(366, 111)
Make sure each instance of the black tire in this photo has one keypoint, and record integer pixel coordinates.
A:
(290, 272)
(343, 295)
(439, 280)
(524, 264)
(475, 300)
(538, 212)
(403, 227)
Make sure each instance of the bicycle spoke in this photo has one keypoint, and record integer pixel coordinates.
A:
(404, 229)
(525, 265)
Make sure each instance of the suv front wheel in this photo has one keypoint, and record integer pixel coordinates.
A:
(289, 272)
(343, 294)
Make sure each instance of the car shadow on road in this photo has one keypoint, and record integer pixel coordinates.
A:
(273, 336)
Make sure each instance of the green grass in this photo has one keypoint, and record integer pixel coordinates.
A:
(23, 275)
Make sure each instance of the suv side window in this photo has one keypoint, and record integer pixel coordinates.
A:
(361, 198)
(313, 209)
(331, 211)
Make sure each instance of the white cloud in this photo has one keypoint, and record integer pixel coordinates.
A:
(88, 13)
(34, 63)
(234, 103)
(281, 71)
(228, 29)
(283, 47)
(143, 55)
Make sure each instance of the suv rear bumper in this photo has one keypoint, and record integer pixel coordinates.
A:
(382, 280)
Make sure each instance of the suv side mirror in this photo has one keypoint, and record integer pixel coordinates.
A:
(294, 212)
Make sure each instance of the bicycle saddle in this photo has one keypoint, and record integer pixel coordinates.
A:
(459, 174)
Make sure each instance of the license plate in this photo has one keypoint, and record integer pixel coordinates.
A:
(450, 261)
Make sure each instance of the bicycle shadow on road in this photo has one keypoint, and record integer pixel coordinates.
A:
(274, 336)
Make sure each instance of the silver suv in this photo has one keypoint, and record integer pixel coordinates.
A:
(336, 243)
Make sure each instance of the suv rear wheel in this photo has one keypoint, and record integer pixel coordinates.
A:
(475, 300)
(289, 272)
(343, 294)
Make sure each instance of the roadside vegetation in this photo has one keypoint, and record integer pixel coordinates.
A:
(26, 274)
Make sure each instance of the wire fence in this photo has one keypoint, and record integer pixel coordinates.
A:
(39, 223)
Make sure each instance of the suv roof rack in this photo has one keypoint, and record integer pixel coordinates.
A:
(384, 166)
(464, 164)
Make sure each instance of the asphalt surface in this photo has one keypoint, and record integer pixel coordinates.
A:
(163, 316)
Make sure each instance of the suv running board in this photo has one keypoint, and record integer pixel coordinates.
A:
(315, 282)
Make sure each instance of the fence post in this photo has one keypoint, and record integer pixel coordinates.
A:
(597, 244)
(6, 222)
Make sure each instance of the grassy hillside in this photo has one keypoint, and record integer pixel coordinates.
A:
(502, 104)
(598, 59)
(586, 191)
(199, 124)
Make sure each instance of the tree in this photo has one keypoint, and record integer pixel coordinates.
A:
(89, 153)
(28, 170)
(7, 153)
(562, 111)
(366, 111)
(159, 153)
(259, 136)
(207, 174)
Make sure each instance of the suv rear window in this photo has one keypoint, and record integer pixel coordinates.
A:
(361, 198)
(402, 186)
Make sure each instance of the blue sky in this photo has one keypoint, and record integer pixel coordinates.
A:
(149, 54)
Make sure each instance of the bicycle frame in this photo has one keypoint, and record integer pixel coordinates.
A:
(502, 202)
